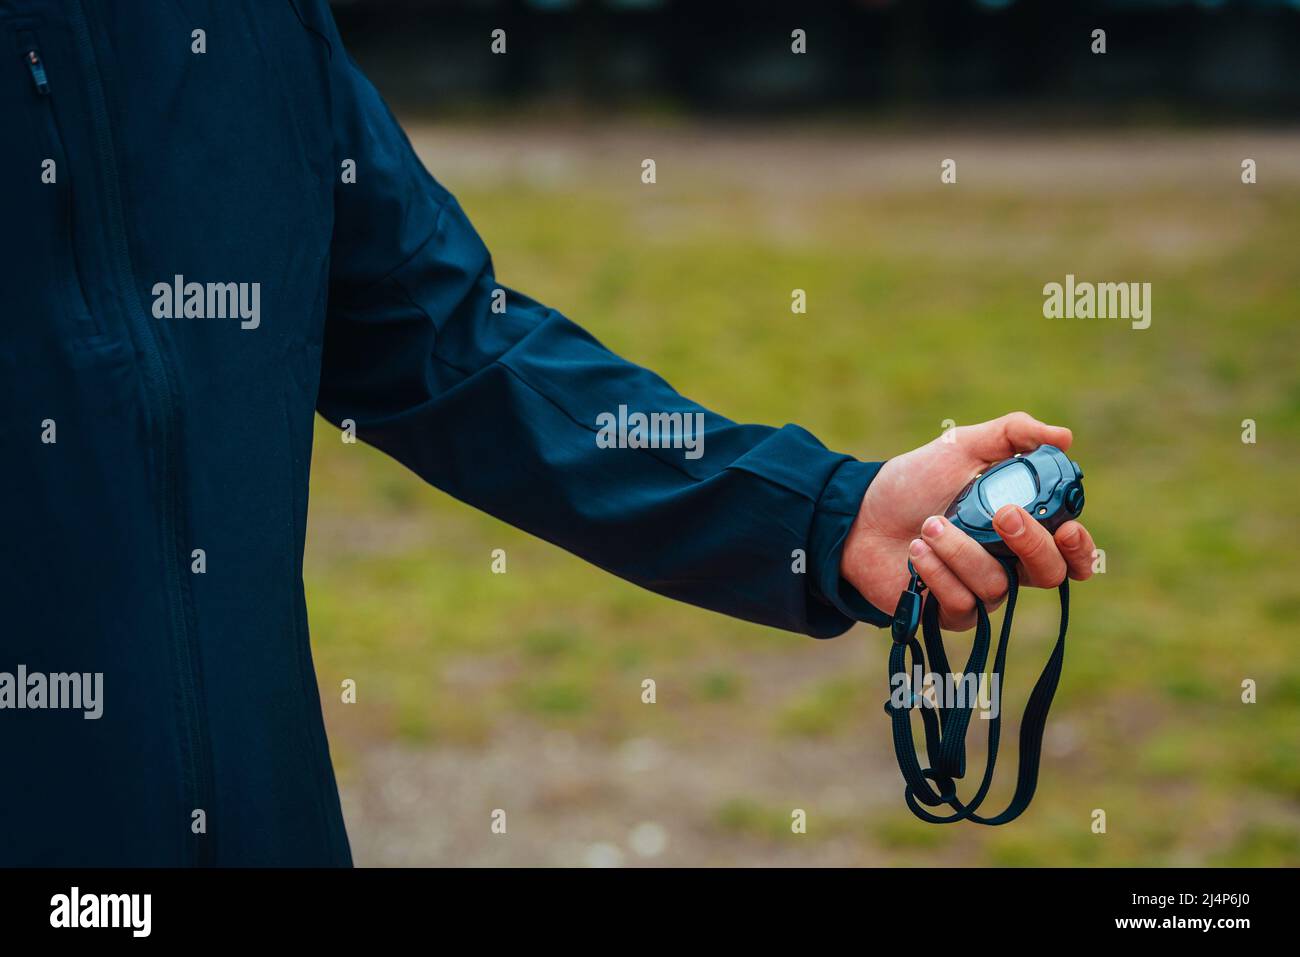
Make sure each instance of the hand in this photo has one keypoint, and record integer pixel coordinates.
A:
(902, 517)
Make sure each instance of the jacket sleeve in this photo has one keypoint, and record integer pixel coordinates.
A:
(502, 407)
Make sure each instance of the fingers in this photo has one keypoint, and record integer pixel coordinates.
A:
(1041, 562)
(956, 603)
(1076, 547)
(957, 571)
(966, 558)
(1002, 438)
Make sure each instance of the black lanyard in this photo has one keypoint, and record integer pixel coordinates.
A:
(946, 726)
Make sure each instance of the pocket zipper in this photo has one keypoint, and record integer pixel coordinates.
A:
(37, 67)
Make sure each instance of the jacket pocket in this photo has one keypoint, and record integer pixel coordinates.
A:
(50, 179)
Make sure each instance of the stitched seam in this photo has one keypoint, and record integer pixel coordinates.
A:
(500, 361)
(329, 47)
(391, 274)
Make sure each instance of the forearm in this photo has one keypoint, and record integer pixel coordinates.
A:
(743, 519)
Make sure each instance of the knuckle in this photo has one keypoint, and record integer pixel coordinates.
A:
(1053, 576)
(966, 551)
(1031, 547)
(954, 550)
(1018, 419)
(993, 590)
(962, 603)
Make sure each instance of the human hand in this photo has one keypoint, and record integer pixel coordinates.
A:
(901, 517)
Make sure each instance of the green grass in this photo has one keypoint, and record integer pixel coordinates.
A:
(825, 709)
(924, 305)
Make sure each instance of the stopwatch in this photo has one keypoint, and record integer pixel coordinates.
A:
(1044, 482)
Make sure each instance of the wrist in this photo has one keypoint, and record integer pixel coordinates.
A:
(833, 542)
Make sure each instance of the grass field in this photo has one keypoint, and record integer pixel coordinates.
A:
(522, 691)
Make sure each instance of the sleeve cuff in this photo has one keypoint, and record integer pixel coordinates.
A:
(833, 600)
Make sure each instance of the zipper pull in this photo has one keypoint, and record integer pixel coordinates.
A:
(37, 67)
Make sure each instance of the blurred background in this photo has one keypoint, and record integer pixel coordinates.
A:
(820, 171)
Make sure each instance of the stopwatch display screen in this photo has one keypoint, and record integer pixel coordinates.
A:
(1013, 485)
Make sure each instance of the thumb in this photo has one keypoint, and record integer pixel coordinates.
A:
(1015, 432)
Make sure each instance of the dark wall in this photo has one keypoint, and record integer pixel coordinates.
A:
(1202, 60)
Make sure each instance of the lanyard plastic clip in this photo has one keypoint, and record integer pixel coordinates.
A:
(907, 613)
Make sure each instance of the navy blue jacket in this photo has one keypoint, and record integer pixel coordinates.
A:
(155, 436)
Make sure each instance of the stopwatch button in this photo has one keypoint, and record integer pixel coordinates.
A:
(1074, 499)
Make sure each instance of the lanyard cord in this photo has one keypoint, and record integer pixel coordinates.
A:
(945, 727)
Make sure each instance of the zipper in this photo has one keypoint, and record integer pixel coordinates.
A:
(161, 394)
(70, 279)
(37, 68)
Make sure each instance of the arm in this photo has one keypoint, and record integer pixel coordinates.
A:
(501, 408)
